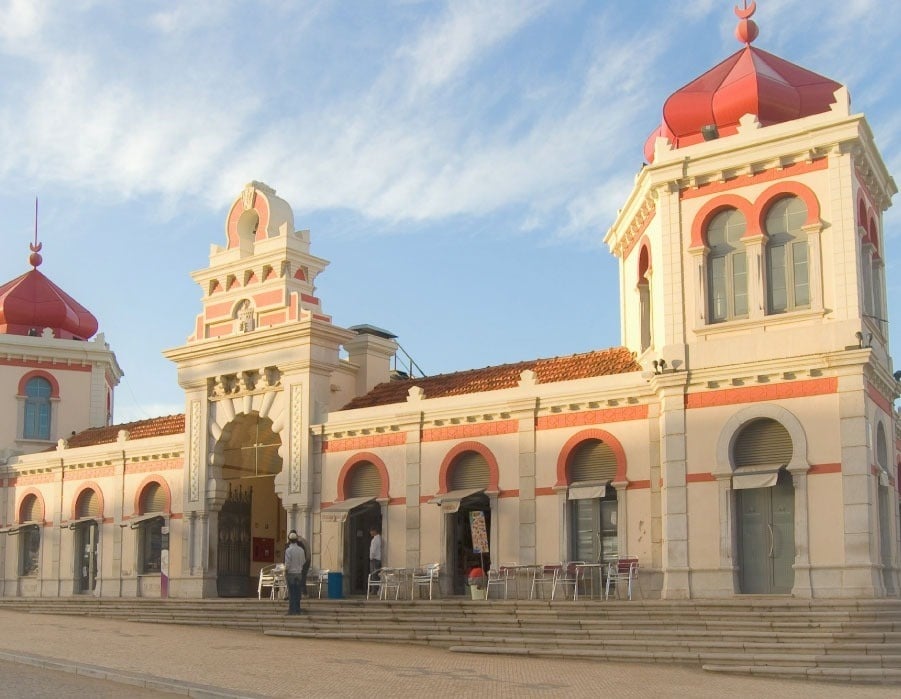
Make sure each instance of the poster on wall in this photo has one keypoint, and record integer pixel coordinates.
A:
(479, 532)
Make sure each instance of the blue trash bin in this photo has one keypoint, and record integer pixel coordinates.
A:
(335, 585)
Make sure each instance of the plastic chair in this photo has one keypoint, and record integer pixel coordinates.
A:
(374, 583)
(317, 580)
(391, 580)
(273, 577)
(543, 576)
(499, 577)
(425, 577)
(565, 577)
(622, 570)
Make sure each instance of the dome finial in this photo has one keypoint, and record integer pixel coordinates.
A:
(34, 259)
(747, 30)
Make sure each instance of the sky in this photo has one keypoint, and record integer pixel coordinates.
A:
(458, 162)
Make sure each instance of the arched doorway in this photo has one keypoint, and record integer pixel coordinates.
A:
(252, 523)
(468, 478)
(86, 540)
(594, 532)
(363, 481)
(765, 507)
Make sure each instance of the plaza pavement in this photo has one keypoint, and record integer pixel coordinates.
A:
(212, 662)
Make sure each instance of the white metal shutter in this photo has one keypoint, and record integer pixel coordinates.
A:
(762, 442)
(364, 481)
(469, 470)
(88, 505)
(153, 499)
(30, 511)
(592, 460)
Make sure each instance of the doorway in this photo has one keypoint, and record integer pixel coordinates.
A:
(359, 521)
(766, 538)
(594, 529)
(461, 556)
(86, 555)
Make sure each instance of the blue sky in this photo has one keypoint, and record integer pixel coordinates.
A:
(457, 162)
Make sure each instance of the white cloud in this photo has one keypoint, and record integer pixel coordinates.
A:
(450, 44)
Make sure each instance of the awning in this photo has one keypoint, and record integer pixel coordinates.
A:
(755, 477)
(579, 491)
(75, 523)
(450, 501)
(135, 521)
(338, 512)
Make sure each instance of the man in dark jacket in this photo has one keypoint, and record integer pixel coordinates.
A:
(294, 563)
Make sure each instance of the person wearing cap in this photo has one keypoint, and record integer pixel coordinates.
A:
(294, 564)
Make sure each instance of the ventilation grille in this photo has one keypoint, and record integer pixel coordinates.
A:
(469, 470)
(593, 460)
(365, 481)
(763, 442)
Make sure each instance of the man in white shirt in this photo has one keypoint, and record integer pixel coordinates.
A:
(375, 550)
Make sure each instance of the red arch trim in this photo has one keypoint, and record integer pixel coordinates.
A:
(39, 373)
(90, 485)
(574, 441)
(140, 492)
(712, 208)
(479, 448)
(783, 189)
(260, 205)
(26, 494)
(344, 475)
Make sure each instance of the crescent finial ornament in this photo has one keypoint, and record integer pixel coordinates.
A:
(746, 11)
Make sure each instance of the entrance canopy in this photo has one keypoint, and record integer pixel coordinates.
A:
(450, 501)
(764, 476)
(587, 491)
(339, 511)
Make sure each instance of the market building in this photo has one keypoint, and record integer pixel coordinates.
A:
(742, 440)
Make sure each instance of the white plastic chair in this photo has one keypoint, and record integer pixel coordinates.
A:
(374, 584)
(427, 576)
(273, 577)
(622, 570)
(543, 577)
(499, 577)
(565, 577)
(317, 580)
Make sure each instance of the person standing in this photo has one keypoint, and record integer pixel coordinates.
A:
(306, 552)
(294, 563)
(375, 550)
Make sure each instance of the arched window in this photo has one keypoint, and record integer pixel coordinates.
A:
(644, 298)
(37, 409)
(153, 498)
(787, 265)
(727, 267)
(88, 505)
(881, 448)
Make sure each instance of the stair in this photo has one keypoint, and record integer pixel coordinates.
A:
(845, 640)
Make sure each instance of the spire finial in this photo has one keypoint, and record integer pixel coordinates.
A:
(34, 259)
(747, 30)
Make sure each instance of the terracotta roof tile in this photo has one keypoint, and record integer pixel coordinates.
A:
(616, 360)
(141, 429)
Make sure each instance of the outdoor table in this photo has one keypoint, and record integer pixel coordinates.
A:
(520, 572)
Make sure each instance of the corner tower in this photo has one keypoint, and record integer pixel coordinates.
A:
(751, 257)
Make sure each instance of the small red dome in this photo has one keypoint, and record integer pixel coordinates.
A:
(32, 302)
(750, 81)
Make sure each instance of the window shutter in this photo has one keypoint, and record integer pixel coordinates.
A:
(593, 460)
(88, 505)
(153, 499)
(364, 481)
(469, 470)
(762, 442)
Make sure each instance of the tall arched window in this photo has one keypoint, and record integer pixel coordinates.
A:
(37, 409)
(727, 267)
(150, 534)
(644, 298)
(30, 513)
(787, 265)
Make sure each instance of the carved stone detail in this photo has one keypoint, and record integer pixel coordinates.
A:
(194, 455)
(296, 437)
